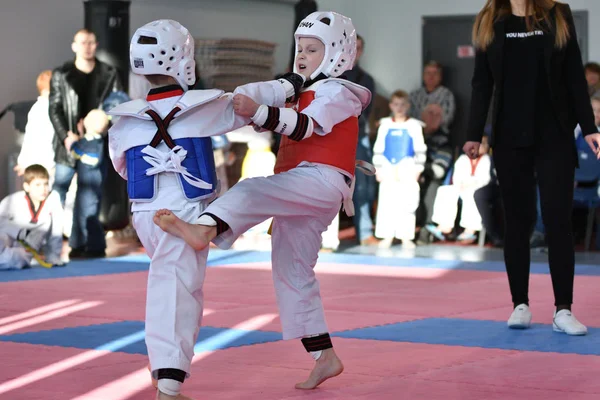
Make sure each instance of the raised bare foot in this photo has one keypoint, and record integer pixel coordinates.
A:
(197, 236)
(161, 396)
(327, 366)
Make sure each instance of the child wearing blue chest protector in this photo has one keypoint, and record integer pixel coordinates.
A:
(162, 147)
(399, 154)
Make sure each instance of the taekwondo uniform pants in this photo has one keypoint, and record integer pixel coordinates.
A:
(303, 202)
(12, 254)
(396, 209)
(446, 207)
(174, 301)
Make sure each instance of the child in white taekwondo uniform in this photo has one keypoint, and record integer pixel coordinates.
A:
(313, 177)
(469, 175)
(399, 154)
(31, 220)
(162, 147)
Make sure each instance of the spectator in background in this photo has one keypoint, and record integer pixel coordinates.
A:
(37, 145)
(439, 161)
(592, 76)
(399, 156)
(468, 176)
(31, 220)
(364, 189)
(433, 92)
(87, 231)
(76, 88)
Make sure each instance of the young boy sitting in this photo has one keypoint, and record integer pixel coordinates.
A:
(32, 217)
(469, 176)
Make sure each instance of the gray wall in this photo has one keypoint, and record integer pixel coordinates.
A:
(31, 40)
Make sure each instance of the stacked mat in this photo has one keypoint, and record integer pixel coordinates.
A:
(228, 63)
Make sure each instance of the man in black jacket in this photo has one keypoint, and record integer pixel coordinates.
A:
(76, 88)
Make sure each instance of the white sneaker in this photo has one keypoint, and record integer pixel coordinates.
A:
(565, 322)
(520, 317)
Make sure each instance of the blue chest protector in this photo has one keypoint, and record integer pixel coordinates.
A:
(398, 145)
(198, 165)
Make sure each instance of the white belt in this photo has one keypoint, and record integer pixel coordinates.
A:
(171, 162)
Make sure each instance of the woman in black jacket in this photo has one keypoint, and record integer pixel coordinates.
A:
(528, 61)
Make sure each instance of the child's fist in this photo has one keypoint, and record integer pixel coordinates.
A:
(244, 105)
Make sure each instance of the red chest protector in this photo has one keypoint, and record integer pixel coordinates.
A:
(337, 148)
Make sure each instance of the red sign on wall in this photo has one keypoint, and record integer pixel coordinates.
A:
(466, 51)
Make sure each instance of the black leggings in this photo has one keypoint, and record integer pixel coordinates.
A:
(554, 165)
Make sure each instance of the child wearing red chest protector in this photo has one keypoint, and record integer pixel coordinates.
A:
(314, 176)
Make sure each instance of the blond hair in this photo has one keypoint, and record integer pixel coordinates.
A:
(96, 121)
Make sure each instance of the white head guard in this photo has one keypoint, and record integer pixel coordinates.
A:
(169, 51)
(339, 38)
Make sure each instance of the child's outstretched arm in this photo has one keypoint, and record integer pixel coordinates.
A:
(273, 93)
(333, 103)
(270, 92)
(285, 121)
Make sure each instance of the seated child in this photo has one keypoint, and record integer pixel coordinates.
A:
(469, 175)
(29, 221)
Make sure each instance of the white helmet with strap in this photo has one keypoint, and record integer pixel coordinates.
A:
(339, 37)
(164, 47)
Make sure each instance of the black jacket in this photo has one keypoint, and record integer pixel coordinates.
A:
(64, 103)
(564, 71)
